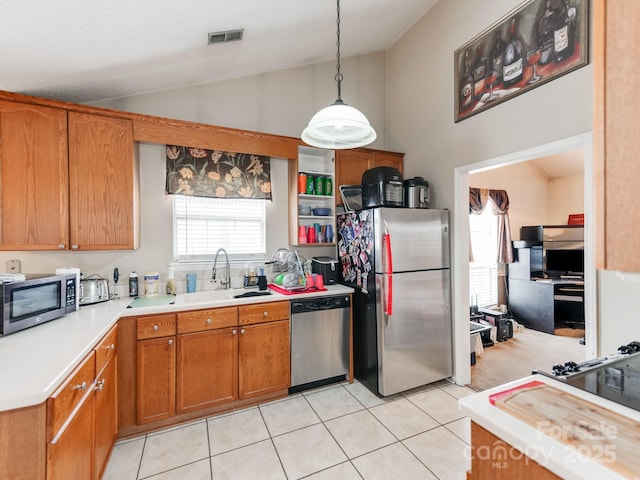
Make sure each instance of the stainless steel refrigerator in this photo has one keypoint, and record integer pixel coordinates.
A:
(397, 259)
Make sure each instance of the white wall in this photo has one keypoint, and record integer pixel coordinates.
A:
(566, 197)
(421, 118)
(421, 100)
(280, 102)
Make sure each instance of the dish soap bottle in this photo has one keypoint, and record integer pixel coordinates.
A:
(133, 284)
(171, 282)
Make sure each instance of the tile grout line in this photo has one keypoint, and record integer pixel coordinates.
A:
(306, 396)
(272, 442)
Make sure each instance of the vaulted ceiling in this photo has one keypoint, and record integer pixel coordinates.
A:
(81, 51)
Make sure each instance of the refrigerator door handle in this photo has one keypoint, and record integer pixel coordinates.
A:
(387, 284)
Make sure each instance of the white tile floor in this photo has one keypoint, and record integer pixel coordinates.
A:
(338, 432)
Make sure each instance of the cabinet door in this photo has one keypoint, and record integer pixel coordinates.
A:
(350, 165)
(615, 133)
(264, 359)
(70, 454)
(155, 381)
(207, 369)
(33, 161)
(384, 159)
(102, 177)
(106, 415)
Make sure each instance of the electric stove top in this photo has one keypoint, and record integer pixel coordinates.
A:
(614, 377)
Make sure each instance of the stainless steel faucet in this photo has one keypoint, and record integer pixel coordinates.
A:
(225, 283)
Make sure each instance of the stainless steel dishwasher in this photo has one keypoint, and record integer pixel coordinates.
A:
(319, 341)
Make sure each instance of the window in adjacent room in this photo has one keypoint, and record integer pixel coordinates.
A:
(483, 270)
(203, 225)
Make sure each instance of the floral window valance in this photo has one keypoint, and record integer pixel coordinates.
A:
(213, 173)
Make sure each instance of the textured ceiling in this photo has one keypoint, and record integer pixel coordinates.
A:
(79, 50)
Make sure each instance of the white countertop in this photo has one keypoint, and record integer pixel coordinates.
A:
(35, 361)
(556, 456)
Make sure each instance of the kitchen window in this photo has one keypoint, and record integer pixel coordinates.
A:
(483, 270)
(203, 225)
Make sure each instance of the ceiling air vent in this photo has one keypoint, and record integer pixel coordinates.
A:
(223, 37)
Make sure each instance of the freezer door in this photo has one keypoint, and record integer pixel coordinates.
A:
(419, 238)
(414, 330)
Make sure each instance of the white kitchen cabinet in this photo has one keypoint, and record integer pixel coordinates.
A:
(316, 163)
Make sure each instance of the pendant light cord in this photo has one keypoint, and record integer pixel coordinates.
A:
(338, 76)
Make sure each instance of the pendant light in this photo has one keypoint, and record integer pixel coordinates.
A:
(339, 125)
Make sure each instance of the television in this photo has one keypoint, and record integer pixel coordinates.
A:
(564, 262)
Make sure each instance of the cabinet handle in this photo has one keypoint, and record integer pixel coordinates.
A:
(265, 314)
(110, 347)
(171, 341)
(234, 332)
(99, 385)
(74, 247)
(61, 246)
(82, 386)
(242, 331)
(208, 321)
(156, 328)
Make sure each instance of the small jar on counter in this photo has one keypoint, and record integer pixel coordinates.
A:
(151, 283)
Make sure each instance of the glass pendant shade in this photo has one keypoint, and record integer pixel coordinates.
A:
(339, 126)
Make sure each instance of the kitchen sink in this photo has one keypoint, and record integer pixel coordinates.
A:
(209, 296)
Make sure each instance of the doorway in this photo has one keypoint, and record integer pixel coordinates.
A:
(582, 143)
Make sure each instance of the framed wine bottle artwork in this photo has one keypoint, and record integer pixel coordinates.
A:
(538, 41)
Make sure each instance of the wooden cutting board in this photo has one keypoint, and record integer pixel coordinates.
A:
(593, 431)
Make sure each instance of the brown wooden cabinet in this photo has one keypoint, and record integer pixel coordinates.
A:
(207, 359)
(106, 401)
(34, 177)
(264, 352)
(155, 368)
(493, 458)
(352, 163)
(69, 180)
(82, 419)
(103, 179)
(71, 454)
(615, 133)
(265, 357)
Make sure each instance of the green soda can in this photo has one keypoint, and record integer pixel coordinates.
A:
(328, 186)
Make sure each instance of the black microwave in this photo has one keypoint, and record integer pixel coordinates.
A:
(35, 300)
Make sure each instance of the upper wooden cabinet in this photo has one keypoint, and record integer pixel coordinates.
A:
(103, 180)
(352, 163)
(33, 163)
(69, 180)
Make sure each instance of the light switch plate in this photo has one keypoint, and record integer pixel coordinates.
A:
(13, 266)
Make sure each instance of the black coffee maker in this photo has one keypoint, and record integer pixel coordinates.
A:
(382, 187)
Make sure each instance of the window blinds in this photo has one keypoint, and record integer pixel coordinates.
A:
(483, 271)
(203, 225)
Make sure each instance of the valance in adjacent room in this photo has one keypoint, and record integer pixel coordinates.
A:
(478, 200)
(213, 173)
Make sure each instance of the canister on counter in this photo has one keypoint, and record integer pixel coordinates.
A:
(151, 283)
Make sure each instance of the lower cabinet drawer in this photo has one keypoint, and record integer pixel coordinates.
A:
(156, 326)
(106, 349)
(263, 312)
(62, 403)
